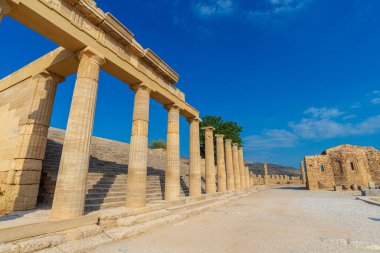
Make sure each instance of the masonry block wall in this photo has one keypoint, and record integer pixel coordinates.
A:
(343, 165)
(276, 180)
(25, 111)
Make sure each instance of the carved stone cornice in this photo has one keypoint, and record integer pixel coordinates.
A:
(117, 31)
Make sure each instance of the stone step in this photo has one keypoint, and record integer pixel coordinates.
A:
(95, 207)
(104, 200)
(127, 232)
(105, 194)
(141, 218)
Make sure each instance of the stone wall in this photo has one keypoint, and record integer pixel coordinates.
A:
(343, 165)
(25, 111)
(277, 180)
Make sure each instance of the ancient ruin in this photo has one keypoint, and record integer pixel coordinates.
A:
(344, 165)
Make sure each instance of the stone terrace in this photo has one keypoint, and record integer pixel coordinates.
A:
(107, 177)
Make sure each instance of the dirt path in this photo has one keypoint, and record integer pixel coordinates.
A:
(277, 220)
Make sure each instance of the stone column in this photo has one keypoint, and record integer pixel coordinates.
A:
(222, 184)
(302, 167)
(70, 190)
(172, 177)
(194, 159)
(4, 9)
(246, 170)
(251, 180)
(24, 177)
(235, 158)
(138, 149)
(241, 168)
(210, 160)
(229, 165)
(265, 173)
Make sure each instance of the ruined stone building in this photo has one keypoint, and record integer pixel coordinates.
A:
(344, 165)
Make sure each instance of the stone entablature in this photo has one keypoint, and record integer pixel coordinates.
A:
(90, 26)
(344, 165)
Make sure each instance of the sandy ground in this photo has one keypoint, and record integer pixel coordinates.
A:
(276, 220)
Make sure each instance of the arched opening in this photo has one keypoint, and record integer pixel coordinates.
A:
(322, 168)
(352, 165)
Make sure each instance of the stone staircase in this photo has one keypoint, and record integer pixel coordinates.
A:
(107, 177)
(108, 189)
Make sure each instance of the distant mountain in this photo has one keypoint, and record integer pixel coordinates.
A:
(273, 169)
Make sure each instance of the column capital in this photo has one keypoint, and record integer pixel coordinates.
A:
(219, 136)
(241, 148)
(171, 106)
(235, 144)
(92, 55)
(193, 119)
(137, 87)
(50, 75)
(208, 129)
(228, 141)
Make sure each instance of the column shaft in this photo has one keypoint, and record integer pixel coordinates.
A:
(265, 173)
(210, 160)
(247, 178)
(70, 191)
(229, 166)
(222, 184)
(194, 157)
(302, 167)
(172, 178)
(242, 168)
(138, 149)
(235, 158)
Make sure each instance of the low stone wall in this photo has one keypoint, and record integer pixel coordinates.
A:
(277, 180)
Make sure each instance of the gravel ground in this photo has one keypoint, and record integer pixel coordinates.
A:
(282, 220)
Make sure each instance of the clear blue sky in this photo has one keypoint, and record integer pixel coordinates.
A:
(299, 75)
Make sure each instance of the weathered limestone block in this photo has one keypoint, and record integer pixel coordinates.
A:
(69, 197)
(138, 152)
(343, 165)
(26, 108)
(235, 158)
(371, 185)
(229, 165)
(35, 244)
(9, 248)
(195, 188)
(172, 177)
(210, 160)
(338, 188)
(82, 232)
(222, 187)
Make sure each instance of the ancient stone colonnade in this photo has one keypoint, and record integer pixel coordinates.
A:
(92, 40)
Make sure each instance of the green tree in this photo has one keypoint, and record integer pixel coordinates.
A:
(230, 129)
(157, 144)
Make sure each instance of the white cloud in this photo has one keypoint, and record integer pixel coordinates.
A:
(270, 139)
(375, 97)
(320, 124)
(274, 9)
(324, 112)
(262, 9)
(213, 8)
